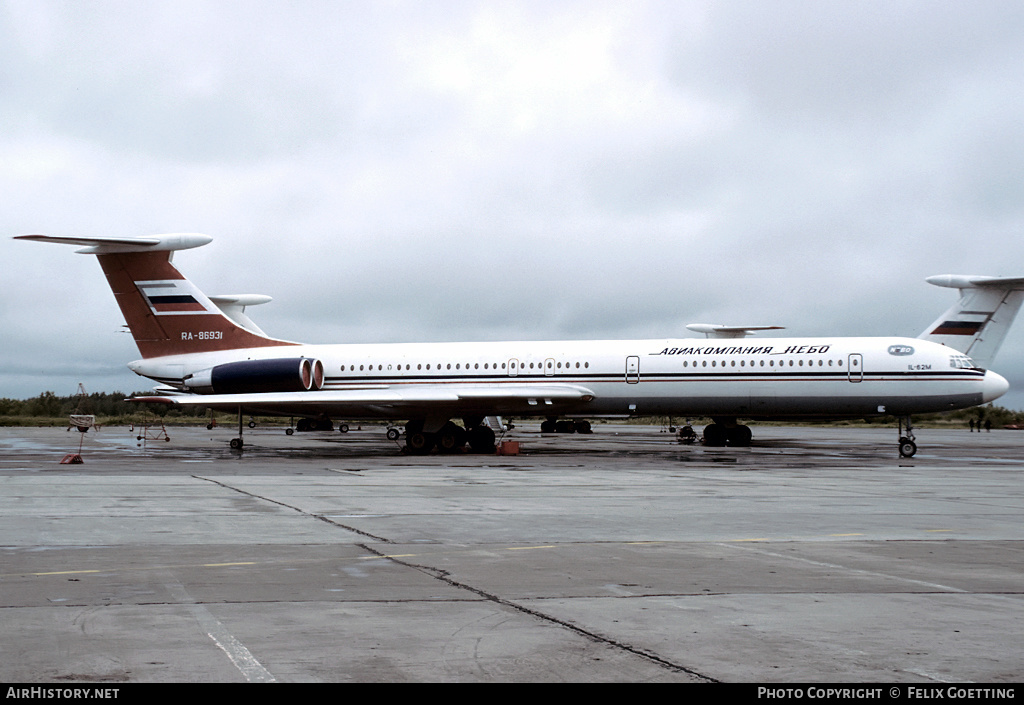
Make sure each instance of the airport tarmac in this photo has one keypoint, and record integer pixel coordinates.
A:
(816, 555)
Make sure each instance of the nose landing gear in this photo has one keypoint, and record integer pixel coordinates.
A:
(907, 445)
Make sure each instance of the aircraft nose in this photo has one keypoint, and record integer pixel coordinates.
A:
(993, 386)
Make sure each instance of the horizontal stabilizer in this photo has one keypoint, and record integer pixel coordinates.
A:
(117, 245)
(717, 330)
(969, 281)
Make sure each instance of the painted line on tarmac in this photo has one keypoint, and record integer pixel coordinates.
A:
(836, 566)
(426, 554)
(39, 574)
(66, 572)
(241, 657)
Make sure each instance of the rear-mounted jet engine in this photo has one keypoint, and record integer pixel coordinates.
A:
(278, 375)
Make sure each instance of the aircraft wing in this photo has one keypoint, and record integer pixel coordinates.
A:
(399, 400)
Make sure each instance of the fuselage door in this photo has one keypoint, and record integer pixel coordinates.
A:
(549, 367)
(632, 369)
(855, 367)
(513, 367)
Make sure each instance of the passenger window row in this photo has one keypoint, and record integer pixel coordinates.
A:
(568, 366)
(407, 367)
(762, 363)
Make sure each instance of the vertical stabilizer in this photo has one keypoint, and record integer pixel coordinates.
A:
(166, 313)
(977, 324)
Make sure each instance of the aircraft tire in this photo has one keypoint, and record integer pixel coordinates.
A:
(481, 439)
(236, 443)
(419, 443)
(393, 434)
(739, 437)
(451, 438)
(907, 448)
(714, 435)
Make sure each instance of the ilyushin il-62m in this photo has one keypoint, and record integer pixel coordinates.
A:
(205, 351)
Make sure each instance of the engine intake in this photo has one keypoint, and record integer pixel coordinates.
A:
(301, 374)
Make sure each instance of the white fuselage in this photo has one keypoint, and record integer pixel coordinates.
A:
(751, 377)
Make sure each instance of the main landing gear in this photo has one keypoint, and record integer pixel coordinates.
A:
(449, 438)
(237, 443)
(317, 423)
(726, 432)
(554, 425)
(907, 445)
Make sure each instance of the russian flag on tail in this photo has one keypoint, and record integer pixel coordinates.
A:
(172, 296)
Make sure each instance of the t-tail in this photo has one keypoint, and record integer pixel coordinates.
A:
(977, 324)
(166, 313)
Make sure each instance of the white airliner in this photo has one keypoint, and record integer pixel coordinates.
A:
(208, 353)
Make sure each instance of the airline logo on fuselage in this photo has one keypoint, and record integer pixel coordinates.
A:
(901, 350)
(749, 350)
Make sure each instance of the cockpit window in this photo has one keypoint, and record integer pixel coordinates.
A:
(962, 362)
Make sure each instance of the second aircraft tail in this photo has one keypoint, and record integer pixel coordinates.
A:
(977, 324)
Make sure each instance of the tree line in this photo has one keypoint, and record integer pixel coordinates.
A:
(100, 404)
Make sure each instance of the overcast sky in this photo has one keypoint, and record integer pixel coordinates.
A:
(441, 170)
